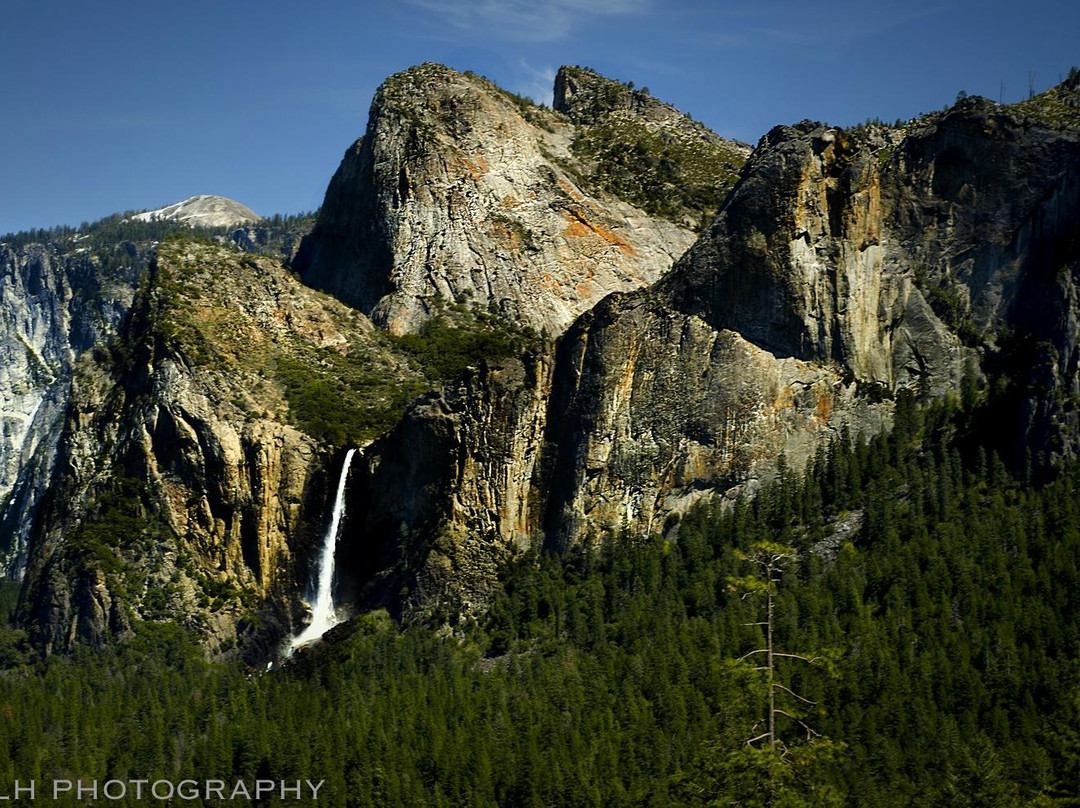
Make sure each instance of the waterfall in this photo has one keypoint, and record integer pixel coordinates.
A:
(323, 611)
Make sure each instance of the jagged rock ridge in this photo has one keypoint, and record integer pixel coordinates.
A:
(646, 152)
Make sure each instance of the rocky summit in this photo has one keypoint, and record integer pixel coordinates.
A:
(205, 210)
(462, 192)
(543, 328)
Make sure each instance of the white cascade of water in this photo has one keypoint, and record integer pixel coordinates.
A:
(323, 611)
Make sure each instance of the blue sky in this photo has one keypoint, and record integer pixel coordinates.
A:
(120, 105)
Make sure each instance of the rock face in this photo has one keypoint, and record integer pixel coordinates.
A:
(54, 305)
(446, 498)
(60, 296)
(807, 262)
(460, 191)
(205, 210)
(184, 488)
(845, 266)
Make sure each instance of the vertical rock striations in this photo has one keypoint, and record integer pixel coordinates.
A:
(448, 496)
(816, 294)
(55, 303)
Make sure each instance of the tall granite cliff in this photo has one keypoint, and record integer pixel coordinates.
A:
(463, 192)
(63, 292)
(845, 266)
(194, 460)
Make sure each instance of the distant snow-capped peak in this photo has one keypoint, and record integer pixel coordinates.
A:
(205, 210)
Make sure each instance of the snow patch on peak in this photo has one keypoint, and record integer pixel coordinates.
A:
(205, 210)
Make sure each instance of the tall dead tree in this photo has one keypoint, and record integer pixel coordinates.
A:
(770, 559)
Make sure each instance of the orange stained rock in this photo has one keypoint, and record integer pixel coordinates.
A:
(476, 169)
(823, 409)
(571, 191)
(548, 281)
(578, 227)
(785, 397)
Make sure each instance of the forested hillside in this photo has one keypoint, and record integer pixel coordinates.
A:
(943, 590)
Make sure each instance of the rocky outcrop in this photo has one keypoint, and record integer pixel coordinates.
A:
(645, 152)
(660, 409)
(62, 293)
(587, 99)
(462, 192)
(444, 500)
(818, 280)
(278, 235)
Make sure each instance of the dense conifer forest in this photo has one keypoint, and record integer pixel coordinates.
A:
(937, 591)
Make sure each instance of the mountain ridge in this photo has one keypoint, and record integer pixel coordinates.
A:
(845, 269)
(830, 284)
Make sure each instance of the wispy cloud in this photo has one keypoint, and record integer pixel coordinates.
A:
(106, 121)
(525, 20)
(655, 67)
(726, 40)
(849, 29)
(801, 26)
(536, 83)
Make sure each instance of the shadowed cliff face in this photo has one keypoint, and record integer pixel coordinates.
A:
(462, 192)
(803, 263)
(828, 270)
